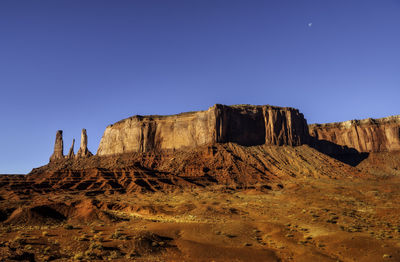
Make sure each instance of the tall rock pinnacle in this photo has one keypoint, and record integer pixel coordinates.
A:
(58, 147)
(71, 153)
(83, 150)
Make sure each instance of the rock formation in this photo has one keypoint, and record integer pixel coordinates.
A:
(71, 153)
(242, 124)
(368, 135)
(83, 150)
(246, 125)
(58, 147)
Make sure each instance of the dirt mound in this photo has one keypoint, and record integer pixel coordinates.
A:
(37, 215)
(89, 210)
(149, 243)
(382, 164)
(86, 210)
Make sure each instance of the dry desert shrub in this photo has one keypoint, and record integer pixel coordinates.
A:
(83, 237)
(119, 235)
(68, 227)
(96, 246)
(79, 256)
(115, 254)
(8, 229)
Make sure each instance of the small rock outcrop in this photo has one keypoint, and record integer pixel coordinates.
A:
(71, 153)
(245, 125)
(58, 147)
(83, 150)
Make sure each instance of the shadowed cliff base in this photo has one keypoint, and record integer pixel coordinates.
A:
(367, 135)
(352, 141)
(344, 154)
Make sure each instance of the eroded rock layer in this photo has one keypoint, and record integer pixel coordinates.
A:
(260, 167)
(368, 135)
(242, 124)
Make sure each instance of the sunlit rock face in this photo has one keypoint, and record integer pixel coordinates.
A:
(242, 124)
(83, 149)
(368, 135)
(58, 152)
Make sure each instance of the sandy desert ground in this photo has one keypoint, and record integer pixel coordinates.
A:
(349, 216)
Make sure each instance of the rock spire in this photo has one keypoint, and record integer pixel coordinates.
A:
(58, 147)
(71, 153)
(83, 150)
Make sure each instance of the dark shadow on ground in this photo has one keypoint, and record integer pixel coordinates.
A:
(344, 154)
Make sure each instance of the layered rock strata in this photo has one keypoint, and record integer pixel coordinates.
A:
(83, 150)
(368, 135)
(58, 147)
(242, 124)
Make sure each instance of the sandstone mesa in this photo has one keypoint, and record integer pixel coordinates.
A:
(243, 124)
(368, 135)
(246, 125)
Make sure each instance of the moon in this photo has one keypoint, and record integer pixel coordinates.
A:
(309, 24)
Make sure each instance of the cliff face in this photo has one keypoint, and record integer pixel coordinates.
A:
(243, 124)
(257, 125)
(147, 133)
(368, 135)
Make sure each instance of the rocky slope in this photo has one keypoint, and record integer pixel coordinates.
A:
(368, 135)
(242, 124)
(231, 165)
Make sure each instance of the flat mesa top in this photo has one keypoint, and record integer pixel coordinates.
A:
(239, 106)
(367, 121)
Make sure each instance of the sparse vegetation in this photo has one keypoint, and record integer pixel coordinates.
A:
(68, 227)
(83, 237)
(245, 220)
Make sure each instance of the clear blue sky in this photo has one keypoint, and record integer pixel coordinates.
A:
(86, 64)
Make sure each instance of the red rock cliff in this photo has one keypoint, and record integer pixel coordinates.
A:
(242, 124)
(368, 135)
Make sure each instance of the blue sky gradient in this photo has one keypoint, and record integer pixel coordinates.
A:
(89, 63)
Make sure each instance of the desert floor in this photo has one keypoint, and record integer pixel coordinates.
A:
(353, 219)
